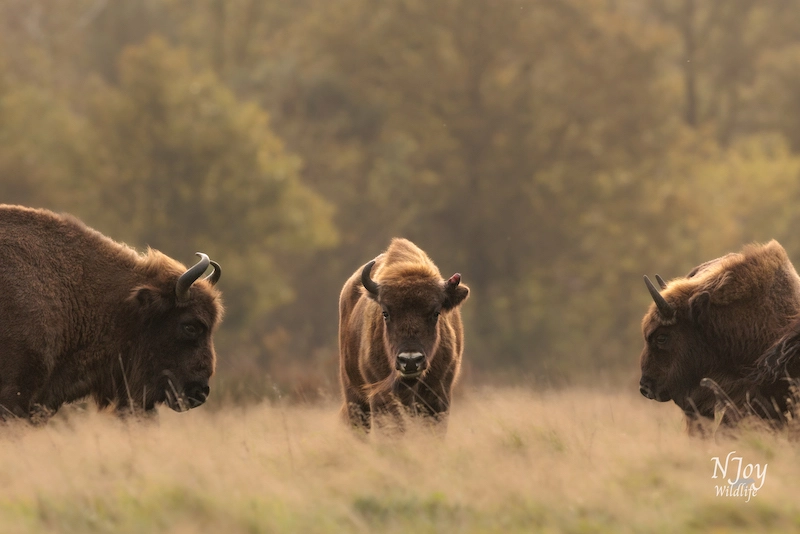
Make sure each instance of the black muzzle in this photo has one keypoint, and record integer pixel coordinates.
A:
(196, 394)
(410, 363)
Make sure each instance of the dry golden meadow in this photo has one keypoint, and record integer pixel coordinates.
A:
(514, 460)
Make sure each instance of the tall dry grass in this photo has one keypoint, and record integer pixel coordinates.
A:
(513, 461)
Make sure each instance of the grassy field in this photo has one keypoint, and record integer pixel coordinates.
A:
(513, 461)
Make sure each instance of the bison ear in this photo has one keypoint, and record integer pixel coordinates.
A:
(699, 306)
(454, 292)
(148, 300)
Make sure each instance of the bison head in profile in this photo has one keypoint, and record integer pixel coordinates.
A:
(675, 354)
(411, 305)
(174, 357)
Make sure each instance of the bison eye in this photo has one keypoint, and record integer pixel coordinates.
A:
(386, 315)
(661, 339)
(190, 330)
(436, 315)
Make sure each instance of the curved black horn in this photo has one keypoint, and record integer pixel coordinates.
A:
(661, 282)
(213, 278)
(190, 276)
(664, 307)
(368, 282)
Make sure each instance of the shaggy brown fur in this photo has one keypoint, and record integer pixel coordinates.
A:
(413, 314)
(82, 315)
(772, 386)
(727, 313)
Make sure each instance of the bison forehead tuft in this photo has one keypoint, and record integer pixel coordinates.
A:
(406, 272)
(412, 292)
(653, 320)
(203, 296)
(207, 302)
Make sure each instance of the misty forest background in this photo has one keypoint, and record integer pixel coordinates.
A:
(552, 151)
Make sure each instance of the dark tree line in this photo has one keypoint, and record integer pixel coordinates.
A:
(550, 151)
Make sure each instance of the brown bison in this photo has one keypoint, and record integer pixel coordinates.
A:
(84, 316)
(713, 325)
(400, 339)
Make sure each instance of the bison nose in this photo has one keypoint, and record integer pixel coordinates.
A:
(646, 389)
(410, 362)
(196, 394)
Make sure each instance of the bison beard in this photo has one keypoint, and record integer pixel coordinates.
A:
(84, 316)
(400, 339)
(704, 333)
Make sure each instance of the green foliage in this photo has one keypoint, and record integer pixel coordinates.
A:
(43, 148)
(188, 166)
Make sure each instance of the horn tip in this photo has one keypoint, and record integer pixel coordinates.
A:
(367, 270)
(366, 279)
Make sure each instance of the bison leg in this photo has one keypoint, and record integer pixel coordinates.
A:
(357, 414)
(126, 411)
(698, 426)
(387, 413)
(430, 405)
(40, 414)
(437, 423)
(10, 408)
(17, 388)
